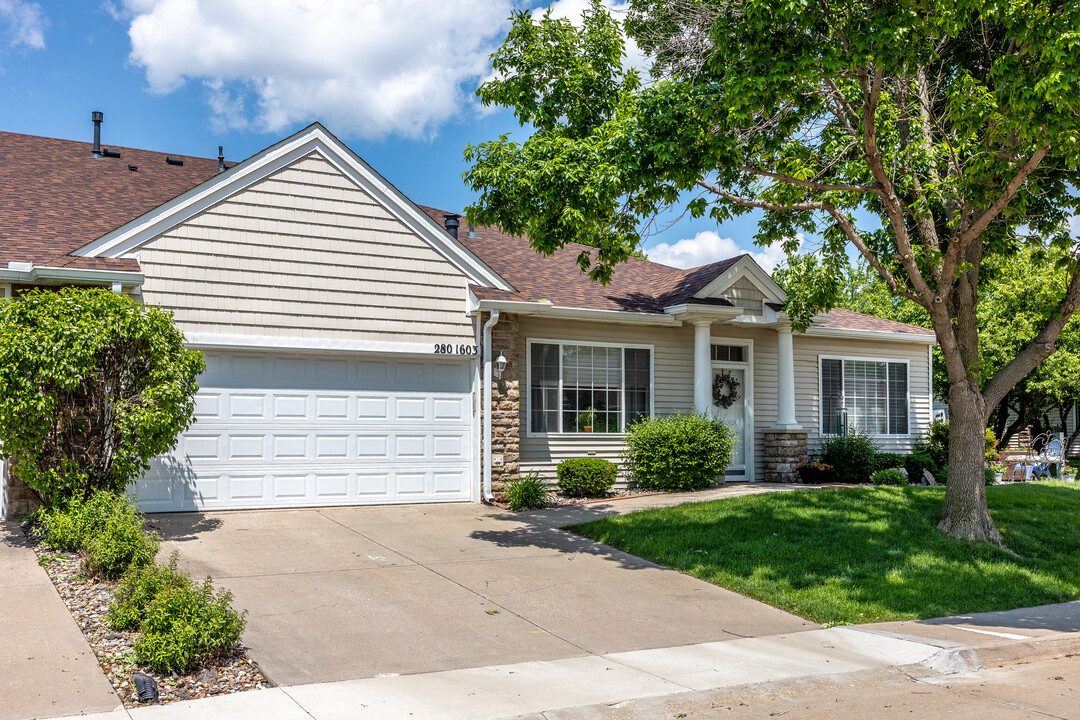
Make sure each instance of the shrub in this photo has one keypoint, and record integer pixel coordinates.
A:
(71, 526)
(852, 457)
(889, 476)
(681, 452)
(122, 541)
(527, 492)
(936, 445)
(186, 624)
(137, 590)
(586, 477)
(92, 385)
(916, 462)
(885, 461)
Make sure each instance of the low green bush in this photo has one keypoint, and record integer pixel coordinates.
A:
(138, 588)
(885, 461)
(889, 476)
(108, 526)
(853, 457)
(185, 625)
(916, 462)
(677, 453)
(527, 492)
(586, 477)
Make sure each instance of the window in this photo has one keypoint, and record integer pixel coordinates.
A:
(728, 353)
(587, 388)
(874, 394)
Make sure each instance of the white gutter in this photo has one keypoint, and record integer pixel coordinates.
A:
(485, 397)
(29, 274)
(886, 335)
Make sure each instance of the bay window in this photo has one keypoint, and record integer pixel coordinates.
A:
(872, 394)
(576, 388)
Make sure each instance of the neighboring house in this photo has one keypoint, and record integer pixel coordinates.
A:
(347, 331)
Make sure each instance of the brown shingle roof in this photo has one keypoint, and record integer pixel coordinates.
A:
(636, 286)
(841, 319)
(55, 198)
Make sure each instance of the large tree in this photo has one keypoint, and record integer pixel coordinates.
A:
(928, 134)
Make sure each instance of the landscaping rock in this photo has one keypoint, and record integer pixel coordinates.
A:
(88, 600)
(928, 478)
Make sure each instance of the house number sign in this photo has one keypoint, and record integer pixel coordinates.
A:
(450, 349)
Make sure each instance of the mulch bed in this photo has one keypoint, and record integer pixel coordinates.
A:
(88, 600)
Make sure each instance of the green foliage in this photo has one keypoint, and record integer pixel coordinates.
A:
(884, 461)
(527, 492)
(935, 444)
(92, 385)
(853, 457)
(865, 555)
(890, 476)
(186, 624)
(918, 461)
(586, 477)
(137, 589)
(677, 453)
(108, 526)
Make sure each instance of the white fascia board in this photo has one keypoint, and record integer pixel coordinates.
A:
(216, 341)
(75, 275)
(745, 267)
(571, 313)
(852, 334)
(703, 311)
(315, 137)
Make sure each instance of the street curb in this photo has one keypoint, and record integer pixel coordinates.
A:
(1050, 647)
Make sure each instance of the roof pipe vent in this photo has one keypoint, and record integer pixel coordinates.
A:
(221, 158)
(452, 224)
(97, 116)
(472, 233)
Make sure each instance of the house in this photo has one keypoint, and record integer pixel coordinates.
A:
(351, 336)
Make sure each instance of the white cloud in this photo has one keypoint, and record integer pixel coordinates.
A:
(23, 23)
(708, 247)
(573, 9)
(368, 69)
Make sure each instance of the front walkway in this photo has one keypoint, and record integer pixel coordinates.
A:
(350, 593)
(46, 666)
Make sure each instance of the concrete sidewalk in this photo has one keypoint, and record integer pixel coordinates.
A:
(46, 666)
(590, 687)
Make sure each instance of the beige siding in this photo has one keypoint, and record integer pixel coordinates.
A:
(673, 382)
(808, 351)
(745, 294)
(305, 253)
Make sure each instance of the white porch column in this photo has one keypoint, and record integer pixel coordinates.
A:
(785, 381)
(702, 366)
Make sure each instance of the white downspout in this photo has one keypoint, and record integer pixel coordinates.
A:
(485, 397)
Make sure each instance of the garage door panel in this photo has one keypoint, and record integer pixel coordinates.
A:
(290, 430)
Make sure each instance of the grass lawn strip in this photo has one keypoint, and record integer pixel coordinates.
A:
(865, 554)
(88, 600)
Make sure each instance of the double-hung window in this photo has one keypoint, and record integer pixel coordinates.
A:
(587, 388)
(873, 394)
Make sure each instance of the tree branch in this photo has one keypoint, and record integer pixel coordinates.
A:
(823, 187)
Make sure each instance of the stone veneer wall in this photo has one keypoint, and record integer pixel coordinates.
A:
(505, 402)
(785, 450)
(19, 500)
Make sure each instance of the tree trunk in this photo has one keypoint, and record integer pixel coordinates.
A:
(965, 515)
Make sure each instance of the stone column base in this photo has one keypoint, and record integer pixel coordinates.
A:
(785, 451)
(19, 500)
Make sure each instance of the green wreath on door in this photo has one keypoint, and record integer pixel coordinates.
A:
(725, 389)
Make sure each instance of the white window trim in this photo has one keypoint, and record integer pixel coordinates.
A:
(590, 343)
(747, 365)
(821, 392)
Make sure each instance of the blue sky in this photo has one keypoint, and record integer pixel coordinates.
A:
(394, 79)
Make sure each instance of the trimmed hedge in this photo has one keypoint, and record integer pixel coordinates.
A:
(586, 477)
(889, 476)
(677, 453)
(854, 458)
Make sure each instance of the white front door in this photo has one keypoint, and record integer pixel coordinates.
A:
(739, 415)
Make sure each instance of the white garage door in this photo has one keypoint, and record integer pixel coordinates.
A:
(277, 430)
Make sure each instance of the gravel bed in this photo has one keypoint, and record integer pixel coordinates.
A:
(88, 600)
(557, 499)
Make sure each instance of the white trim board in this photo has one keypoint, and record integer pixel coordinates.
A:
(315, 137)
(214, 341)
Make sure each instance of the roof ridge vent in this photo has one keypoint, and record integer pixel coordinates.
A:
(170, 160)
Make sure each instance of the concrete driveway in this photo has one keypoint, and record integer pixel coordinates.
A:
(348, 593)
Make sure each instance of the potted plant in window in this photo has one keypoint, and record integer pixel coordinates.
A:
(587, 419)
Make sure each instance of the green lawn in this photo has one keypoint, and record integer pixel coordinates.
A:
(865, 554)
